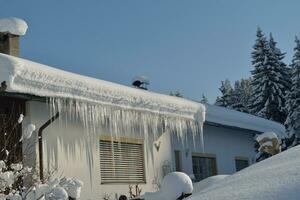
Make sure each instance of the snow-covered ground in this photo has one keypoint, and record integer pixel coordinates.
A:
(208, 182)
(276, 178)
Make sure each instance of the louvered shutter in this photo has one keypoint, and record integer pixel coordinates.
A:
(121, 162)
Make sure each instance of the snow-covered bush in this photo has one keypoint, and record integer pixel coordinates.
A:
(269, 145)
(55, 189)
(176, 185)
(11, 178)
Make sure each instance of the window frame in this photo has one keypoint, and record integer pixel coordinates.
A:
(241, 158)
(127, 140)
(209, 156)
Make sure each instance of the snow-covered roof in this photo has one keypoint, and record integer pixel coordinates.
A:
(27, 77)
(13, 25)
(276, 178)
(228, 117)
(24, 76)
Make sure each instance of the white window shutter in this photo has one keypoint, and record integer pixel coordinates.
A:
(121, 162)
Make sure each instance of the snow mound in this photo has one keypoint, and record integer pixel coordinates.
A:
(276, 178)
(174, 185)
(219, 115)
(24, 76)
(199, 186)
(13, 25)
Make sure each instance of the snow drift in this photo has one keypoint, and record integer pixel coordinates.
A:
(276, 178)
(13, 26)
(199, 186)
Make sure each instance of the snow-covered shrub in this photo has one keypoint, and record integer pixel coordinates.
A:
(55, 189)
(72, 186)
(134, 192)
(269, 145)
(11, 179)
(176, 185)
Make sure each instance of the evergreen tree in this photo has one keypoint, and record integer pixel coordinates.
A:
(226, 90)
(176, 94)
(218, 101)
(236, 97)
(293, 98)
(259, 58)
(284, 79)
(269, 79)
(241, 95)
(204, 99)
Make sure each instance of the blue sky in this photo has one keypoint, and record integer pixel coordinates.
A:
(185, 45)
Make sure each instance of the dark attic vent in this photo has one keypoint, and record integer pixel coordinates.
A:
(141, 82)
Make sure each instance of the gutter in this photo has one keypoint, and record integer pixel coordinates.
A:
(40, 138)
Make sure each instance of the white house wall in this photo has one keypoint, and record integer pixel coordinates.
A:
(67, 147)
(225, 143)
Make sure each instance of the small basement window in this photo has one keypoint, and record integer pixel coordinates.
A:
(122, 161)
(241, 163)
(204, 165)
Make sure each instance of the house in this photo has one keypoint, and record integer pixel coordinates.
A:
(111, 136)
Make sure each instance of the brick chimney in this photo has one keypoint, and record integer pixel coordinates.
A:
(10, 31)
(10, 44)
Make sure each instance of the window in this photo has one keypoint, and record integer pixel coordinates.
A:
(122, 161)
(178, 161)
(204, 165)
(241, 163)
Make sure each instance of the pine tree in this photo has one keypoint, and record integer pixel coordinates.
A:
(284, 79)
(204, 99)
(176, 94)
(247, 90)
(269, 79)
(226, 90)
(218, 101)
(236, 97)
(241, 95)
(259, 57)
(293, 98)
